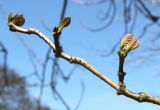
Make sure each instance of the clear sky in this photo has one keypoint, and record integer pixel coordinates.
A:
(78, 41)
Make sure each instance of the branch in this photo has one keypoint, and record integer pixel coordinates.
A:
(146, 12)
(140, 97)
(5, 58)
(89, 2)
(113, 11)
(81, 97)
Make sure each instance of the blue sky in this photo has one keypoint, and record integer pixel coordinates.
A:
(78, 41)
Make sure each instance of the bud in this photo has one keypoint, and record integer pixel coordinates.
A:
(65, 22)
(126, 39)
(128, 43)
(18, 19)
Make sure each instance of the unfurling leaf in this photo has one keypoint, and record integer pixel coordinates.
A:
(132, 45)
(18, 19)
(10, 17)
(135, 44)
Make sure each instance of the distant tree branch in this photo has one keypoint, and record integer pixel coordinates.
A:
(5, 52)
(130, 11)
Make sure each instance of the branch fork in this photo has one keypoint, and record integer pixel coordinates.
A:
(128, 43)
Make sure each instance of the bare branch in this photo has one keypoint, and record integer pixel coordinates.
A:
(140, 97)
(111, 19)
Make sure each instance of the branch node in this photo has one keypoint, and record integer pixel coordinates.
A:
(121, 76)
(122, 88)
(11, 28)
(142, 97)
(72, 59)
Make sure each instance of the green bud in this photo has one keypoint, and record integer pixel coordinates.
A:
(126, 39)
(65, 22)
(128, 43)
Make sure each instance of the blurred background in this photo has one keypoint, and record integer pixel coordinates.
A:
(32, 78)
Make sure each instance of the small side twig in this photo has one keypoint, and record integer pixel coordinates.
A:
(121, 73)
